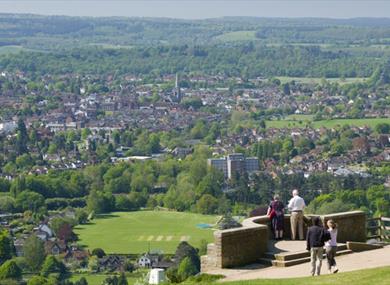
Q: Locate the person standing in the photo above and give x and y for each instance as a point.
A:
(276, 214)
(331, 246)
(316, 235)
(296, 206)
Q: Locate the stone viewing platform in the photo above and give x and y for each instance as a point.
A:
(253, 244)
(250, 252)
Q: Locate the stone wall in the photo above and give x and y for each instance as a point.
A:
(245, 245)
(351, 226)
(239, 246)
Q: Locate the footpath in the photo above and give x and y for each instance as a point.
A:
(355, 261)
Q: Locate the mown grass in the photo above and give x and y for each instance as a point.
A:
(136, 232)
(98, 278)
(301, 121)
(377, 276)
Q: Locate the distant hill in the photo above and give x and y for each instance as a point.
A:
(58, 32)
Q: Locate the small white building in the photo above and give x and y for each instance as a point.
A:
(156, 276)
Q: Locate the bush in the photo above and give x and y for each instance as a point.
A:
(184, 249)
(227, 222)
(203, 247)
(37, 280)
(53, 266)
(98, 252)
(205, 278)
(172, 275)
(187, 268)
(10, 270)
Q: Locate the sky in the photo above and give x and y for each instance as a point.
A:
(200, 9)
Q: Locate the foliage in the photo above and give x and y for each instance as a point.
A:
(10, 270)
(186, 268)
(228, 222)
(53, 266)
(6, 248)
(98, 252)
(34, 252)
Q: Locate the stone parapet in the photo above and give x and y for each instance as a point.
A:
(246, 245)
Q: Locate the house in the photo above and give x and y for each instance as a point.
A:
(43, 232)
(74, 253)
(145, 261)
(55, 247)
(148, 260)
(110, 263)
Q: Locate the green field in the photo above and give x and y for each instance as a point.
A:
(97, 279)
(10, 49)
(237, 36)
(134, 232)
(310, 80)
(301, 120)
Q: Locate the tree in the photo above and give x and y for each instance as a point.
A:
(98, 252)
(186, 269)
(7, 204)
(21, 138)
(52, 265)
(382, 128)
(207, 204)
(10, 270)
(286, 89)
(62, 229)
(34, 252)
(82, 281)
(5, 246)
(37, 280)
(184, 249)
(100, 202)
(122, 279)
(28, 200)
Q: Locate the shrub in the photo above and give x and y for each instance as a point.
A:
(98, 252)
(10, 270)
(53, 266)
(187, 268)
(227, 222)
(37, 280)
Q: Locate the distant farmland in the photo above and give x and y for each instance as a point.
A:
(135, 232)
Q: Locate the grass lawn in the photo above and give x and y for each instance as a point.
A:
(377, 276)
(237, 36)
(97, 278)
(134, 232)
(10, 49)
(300, 121)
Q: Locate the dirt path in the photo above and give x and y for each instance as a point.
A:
(350, 262)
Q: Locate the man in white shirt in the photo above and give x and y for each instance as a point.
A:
(296, 206)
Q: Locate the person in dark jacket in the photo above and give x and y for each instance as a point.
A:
(316, 237)
(276, 214)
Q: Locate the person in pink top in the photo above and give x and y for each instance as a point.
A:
(331, 246)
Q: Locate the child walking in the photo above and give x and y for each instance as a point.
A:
(331, 246)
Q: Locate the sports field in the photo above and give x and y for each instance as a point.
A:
(135, 232)
(301, 121)
(237, 36)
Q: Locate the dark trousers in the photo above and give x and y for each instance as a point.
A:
(330, 255)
